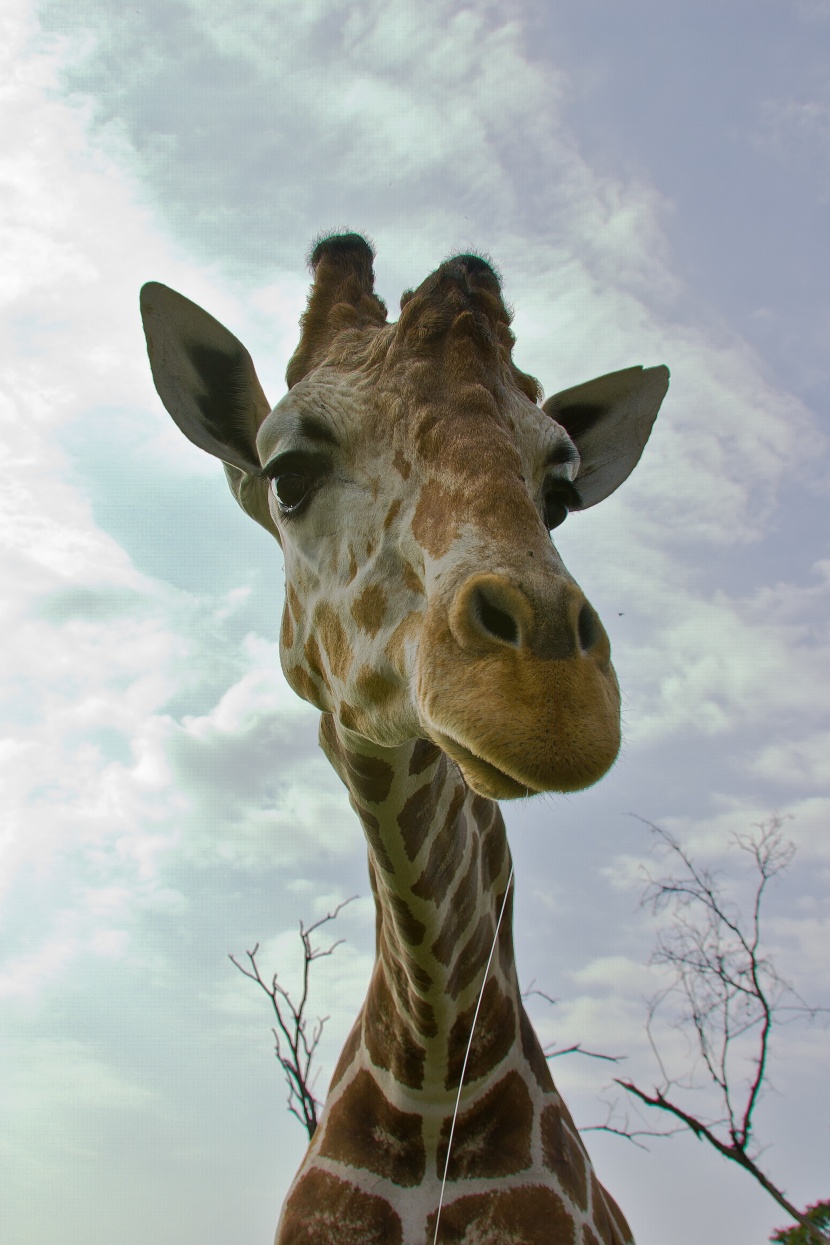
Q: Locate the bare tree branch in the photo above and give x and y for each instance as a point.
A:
(623, 1127)
(733, 1151)
(551, 1051)
(726, 990)
(578, 1049)
(295, 1043)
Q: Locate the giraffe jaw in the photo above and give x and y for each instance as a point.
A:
(484, 778)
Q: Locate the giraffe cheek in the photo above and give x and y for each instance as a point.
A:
(307, 687)
(305, 672)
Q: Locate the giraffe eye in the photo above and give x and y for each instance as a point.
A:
(559, 500)
(556, 508)
(290, 488)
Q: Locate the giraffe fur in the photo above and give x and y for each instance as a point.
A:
(412, 475)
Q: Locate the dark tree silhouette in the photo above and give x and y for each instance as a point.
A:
(726, 990)
(295, 1043)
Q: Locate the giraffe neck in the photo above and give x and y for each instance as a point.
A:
(439, 865)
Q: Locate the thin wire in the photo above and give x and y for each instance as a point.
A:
(467, 1053)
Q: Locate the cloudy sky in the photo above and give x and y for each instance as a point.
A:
(653, 181)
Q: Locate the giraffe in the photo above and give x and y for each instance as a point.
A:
(412, 476)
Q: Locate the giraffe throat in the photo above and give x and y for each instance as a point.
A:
(400, 1133)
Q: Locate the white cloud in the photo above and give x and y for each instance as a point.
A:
(614, 972)
(805, 821)
(147, 734)
(797, 762)
(57, 1075)
(94, 650)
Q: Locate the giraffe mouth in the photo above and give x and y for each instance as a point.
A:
(484, 777)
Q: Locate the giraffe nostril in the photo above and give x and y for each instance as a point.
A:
(496, 622)
(490, 613)
(587, 628)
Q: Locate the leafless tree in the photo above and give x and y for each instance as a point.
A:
(726, 991)
(295, 1043)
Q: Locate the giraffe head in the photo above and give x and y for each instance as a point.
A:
(412, 478)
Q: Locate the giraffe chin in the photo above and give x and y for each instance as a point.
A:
(496, 784)
(485, 779)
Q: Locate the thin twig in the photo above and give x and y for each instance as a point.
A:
(550, 1051)
(727, 989)
(295, 1043)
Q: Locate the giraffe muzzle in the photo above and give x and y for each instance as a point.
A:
(520, 689)
(490, 612)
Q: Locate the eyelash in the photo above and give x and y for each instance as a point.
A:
(563, 493)
(294, 466)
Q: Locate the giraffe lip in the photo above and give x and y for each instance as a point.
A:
(484, 777)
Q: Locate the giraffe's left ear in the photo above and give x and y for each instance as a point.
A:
(206, 379)
(609, 420)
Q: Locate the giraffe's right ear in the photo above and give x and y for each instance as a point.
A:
(206, 379)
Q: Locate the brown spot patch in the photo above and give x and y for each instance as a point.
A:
(411, 930)
(401, 464)
(314, 661)
(369, 777)
(364, 1130)
(412, 580)
(324, 1208)
(564, 1156)
(391, 514)
(287, 628)
(435, 522)
(588, 1237)
(396, 644)
(347, 1054)
(461, 911)
(349, 716)
(389, 1041)
(352, 564)
(532, 1215)
(618, 1218)
(446, 853)
(334, 640)
(303, 684)
(371, 828)
(493, 1137)
(609, 1233)
(293, 601)
(419, 1010)
(493, 844)
(507, 955)
(533, 1052)
(483, 810)
(471, 958)
(330, 740)
(374, 687)
(493, 1037)
(416, 818)
(424, 754)
(369, 610)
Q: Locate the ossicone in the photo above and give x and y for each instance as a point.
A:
(342, 298)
